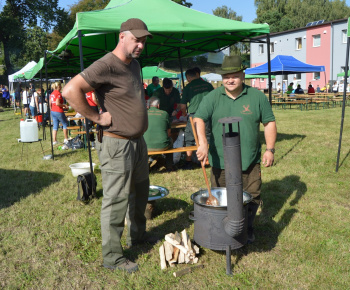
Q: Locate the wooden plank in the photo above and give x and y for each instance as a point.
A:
(168, 249)
(162, 257)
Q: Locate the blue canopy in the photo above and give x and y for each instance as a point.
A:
(284, 65)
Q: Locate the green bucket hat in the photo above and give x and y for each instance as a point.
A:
(231, 64)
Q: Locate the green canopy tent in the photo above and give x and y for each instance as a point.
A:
(343, 74)
(149, 72)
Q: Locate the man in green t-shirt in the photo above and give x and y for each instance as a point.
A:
(153, 86)
(157, 136)
(235, 99)
(192, 96)
(168, 97)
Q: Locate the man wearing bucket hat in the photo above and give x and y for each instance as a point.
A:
(235, 99)
(122, 150)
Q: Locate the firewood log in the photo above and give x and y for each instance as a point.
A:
(162, 257)
(168, 248)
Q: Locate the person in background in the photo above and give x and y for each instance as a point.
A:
(299, 90)
(169, 98)
(34, 104)
(278, 87)
(318, 89)
(192, 96)
(25, 102)
(5, 96)
(335, 87)
(93, 103)
(290, 89)
(158, 134)
(151, 88)
(122, 150)
(310, 89)
(57, 113)
(18, 96)
(235, 99)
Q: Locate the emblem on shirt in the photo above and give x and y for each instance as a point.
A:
(246, 110)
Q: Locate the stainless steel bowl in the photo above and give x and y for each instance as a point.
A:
(200, 197)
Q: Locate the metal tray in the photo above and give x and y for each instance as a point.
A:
(157, 192)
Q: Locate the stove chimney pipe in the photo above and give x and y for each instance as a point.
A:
(234, 222)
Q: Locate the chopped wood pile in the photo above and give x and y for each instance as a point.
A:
(177, 248)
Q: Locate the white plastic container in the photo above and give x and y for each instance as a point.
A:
(81, 167)
(29, 130)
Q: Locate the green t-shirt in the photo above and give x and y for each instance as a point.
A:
(151, 88)
(194, 92)
(156, 136)
(167, 102)
(252, 106)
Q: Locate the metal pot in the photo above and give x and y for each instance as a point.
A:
(209, 229)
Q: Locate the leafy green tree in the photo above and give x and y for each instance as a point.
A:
(183, 3)
(283, 15)
(16, 17)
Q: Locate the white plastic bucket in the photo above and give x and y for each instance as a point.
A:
(45, 108)
(29, 130)
(81, 167)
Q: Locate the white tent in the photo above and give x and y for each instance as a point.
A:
(27, 67)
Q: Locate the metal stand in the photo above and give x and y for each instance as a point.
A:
(228, 260)
(42, 149)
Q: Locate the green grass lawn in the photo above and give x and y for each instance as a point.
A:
(50, 240)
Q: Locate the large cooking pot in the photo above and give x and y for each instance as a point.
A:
(209, 229)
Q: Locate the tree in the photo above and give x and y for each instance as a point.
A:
(183, 3)
(17, 17)
(284, 15)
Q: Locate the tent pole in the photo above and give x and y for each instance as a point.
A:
(48, 107)
(182, 72)
(344, 100)
(87, 129)
(269, 67)
(42, 104)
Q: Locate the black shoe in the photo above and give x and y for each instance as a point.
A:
(128, 266)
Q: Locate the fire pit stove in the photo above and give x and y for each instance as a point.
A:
(224, 227)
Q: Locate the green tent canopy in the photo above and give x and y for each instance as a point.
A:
(149, 72)
(178, 32)
(259, 77)
(342, 74)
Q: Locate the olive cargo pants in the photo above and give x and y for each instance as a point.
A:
(125, 181)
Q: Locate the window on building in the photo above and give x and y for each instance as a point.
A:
(316, 40)
(316, 75)
(262, 80)
(297, 76)
(344, 35)
(272, 47)
(298, 43)
(261, 48)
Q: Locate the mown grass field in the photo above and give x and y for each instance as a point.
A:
(48, 240)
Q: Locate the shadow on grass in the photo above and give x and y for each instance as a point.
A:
(171, 225)
(345, 157)
(279, 197)
(282, 137)
(18, 184)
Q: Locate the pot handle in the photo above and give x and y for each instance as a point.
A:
(191, 216)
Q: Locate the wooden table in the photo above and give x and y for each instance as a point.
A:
(70, 114)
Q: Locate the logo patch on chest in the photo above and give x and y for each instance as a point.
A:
(246, 110)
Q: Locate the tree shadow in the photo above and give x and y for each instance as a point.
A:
(18, 184)
(345, 157)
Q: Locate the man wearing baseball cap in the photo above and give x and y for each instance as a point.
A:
(121, 148)
(235, 99)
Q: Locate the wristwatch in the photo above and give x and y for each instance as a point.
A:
(271, 150)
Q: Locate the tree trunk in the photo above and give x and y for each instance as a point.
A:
(9, 69)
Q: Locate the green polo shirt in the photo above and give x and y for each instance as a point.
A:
(156, 136)
(151, 88)
(167, 102)
(252, 106)
(194, 92)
